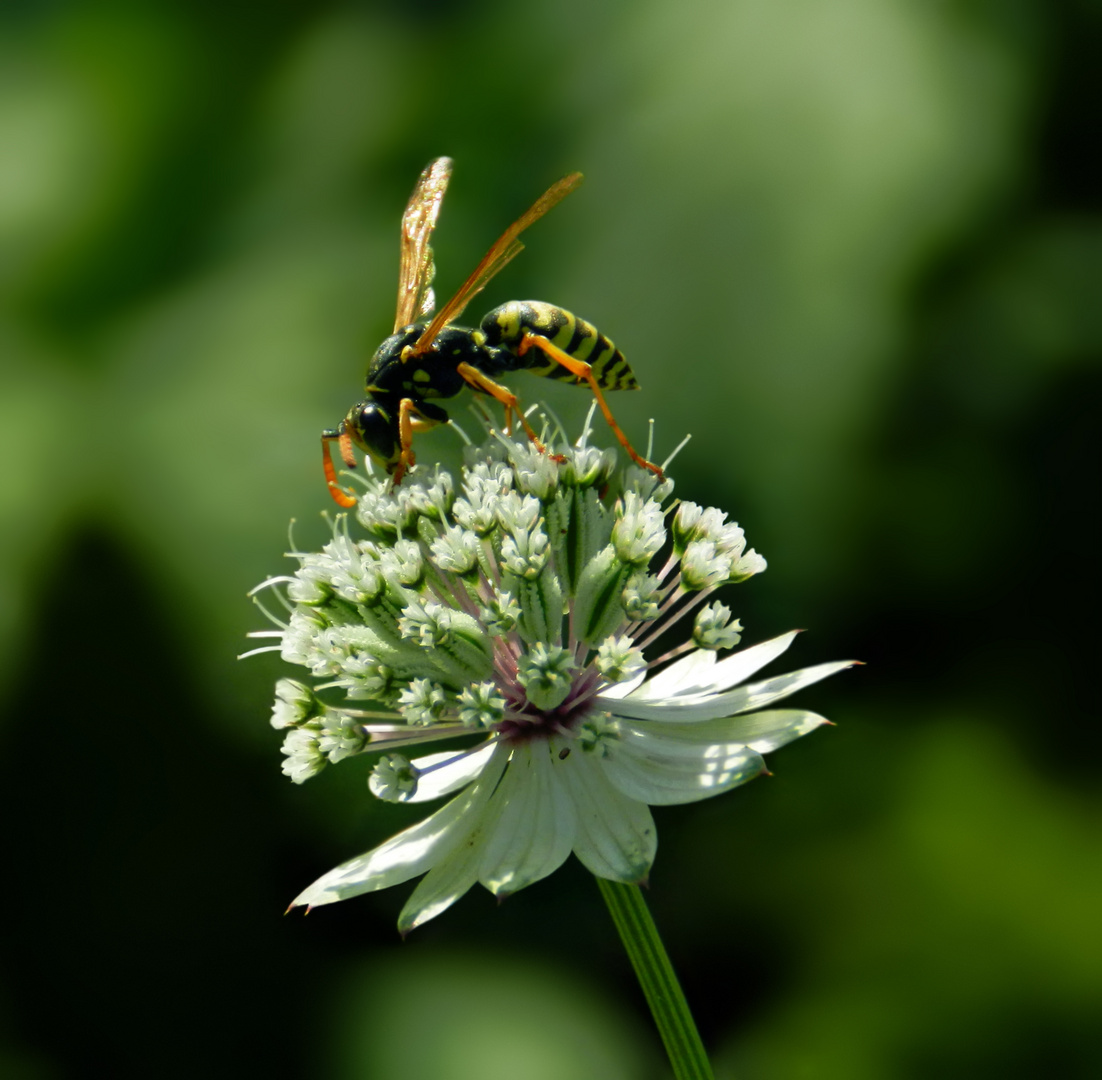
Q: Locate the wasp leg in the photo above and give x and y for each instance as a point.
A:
(406, 459)
(584, 371)
(340, 497)
(410, 419)
(483, 382)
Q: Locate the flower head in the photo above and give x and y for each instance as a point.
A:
(516, 610)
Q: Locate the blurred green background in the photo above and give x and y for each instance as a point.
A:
(851, 245)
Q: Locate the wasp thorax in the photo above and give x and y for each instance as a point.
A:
(399, 346)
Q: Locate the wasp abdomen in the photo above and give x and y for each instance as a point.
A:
(506, 327)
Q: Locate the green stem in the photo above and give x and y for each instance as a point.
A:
(656, 977)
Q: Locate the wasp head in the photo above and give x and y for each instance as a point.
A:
(375, 431)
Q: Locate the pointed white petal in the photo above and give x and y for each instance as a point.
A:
(760, 731)
(699, 673)
(663, 769)
(411, 852)
(616, 837)
(533, 831)
(442, 885)
(739, 666)
(713, 706)
(450, 770)
(457, 870)
(681, 674)
(622, 689)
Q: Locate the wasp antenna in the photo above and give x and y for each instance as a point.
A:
(348, 454)
(340, 496)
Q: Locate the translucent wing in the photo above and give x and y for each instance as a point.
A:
(416, 270)
(495, 260)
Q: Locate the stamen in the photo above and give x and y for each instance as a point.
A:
(257, 652)
(269, 616)
(676, 450)
(587, 428)
(461, 433)
(560, 430)
(267, 583)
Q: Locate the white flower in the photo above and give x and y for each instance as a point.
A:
(517, 612)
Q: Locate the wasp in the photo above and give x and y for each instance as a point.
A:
(428, 358)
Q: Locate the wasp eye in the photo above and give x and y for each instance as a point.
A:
(374, 429)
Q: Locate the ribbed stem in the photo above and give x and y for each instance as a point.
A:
(656, 976)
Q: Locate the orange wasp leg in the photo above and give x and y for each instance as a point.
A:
(409, 421)
(483, 382)
(340, 497)
(584, 371)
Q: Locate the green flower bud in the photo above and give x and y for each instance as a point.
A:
(481, 705)
(394, 778)
(702, 566)
(422, 702)
(304, 757)
(545, 673)
(295, 704)
(713, 628)
(639, 531)
(341, 737)
(617, 659)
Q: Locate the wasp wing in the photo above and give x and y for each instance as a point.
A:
(416, 268)
(504, 251)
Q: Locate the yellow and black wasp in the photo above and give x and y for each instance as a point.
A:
(422, 362)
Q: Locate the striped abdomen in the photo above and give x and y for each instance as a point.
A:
(507, 325)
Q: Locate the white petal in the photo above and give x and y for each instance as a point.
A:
(700, 673)
(665, 769)
(453, 769)
(739, 666)
(411, 852)
(442, 885)
(760, 731)
(774, 728)
(457, 869)
(621, 689)
(533, 829)
(682, 673)
(616, 837)
(712, 706)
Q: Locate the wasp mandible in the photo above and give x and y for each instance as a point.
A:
(425, 361)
